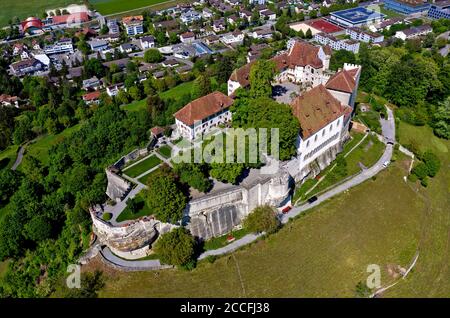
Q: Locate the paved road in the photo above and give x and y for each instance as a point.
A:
(153, 264)
(19, 158)
(247, 239)
(388, 128)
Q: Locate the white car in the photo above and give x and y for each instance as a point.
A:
(386, 163)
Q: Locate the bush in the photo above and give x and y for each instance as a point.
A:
(432, 163)
(262, 219)
(176, 248)
(412, 177)
(421, 171)
(107, 216)
(424, 182)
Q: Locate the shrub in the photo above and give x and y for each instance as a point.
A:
(421, 170)
(412, 177)
(424, 182)
(262, 219)
(362, 290)
(176, 248)
(432, 163)
(107, 216)
(211, 258)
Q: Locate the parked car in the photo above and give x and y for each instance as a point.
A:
(312, 199)
(386, 163)
(286, 209)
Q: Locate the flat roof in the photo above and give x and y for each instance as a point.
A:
(357, 15)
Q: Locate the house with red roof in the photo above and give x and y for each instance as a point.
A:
(203, 114)
(344, 84)
(92, 98)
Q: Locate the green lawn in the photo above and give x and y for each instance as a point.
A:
(145, 178)
(127, 214)
(178, 91)
(367, 153)
(115, 6)
(175, 93)
(41, 146)
(23, 9)
(389, 13)
(165, 151)
(221, 241)
(145, 165)
(8, 156)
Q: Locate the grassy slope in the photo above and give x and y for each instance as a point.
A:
(9, 154)
(430, 276)
(325, 253)
(41, 146)
(23, 9)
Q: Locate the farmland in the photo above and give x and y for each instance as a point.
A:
(115, 6)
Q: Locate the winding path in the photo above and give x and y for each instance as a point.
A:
(19, 158)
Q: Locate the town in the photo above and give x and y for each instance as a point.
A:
(97, 108)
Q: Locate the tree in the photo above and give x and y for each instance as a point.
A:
(123, 97)
(38, 228)
(441, 120)
(135, 93)
(432, 163)
(261, 75)
(421, 170)
(308, 34)
(224, 69)
(176, 247)
(195, 175)
(164, 197)
(93, 67)
(338, 58)
(91, 283)
(9, 183)
(201, 87)
(262, 219)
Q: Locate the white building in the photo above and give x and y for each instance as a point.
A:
(98, 45)
(114, 89)
(232, 38)
(134, 24)
(147, 42)
(337, 44)
(187, 37)
(190, 16)
(62, 46)
(261, 34)
(361, 35)
(202, 114)
(414, 32)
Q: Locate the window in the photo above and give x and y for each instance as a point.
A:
(315, 138)
(307, 143)
(331, 127)
(323, 132)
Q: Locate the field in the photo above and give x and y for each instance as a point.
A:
(389, 13)
(143, 210)
(140, 168)
(115, 6)
(8, 156)
(174, 93)
(41, 146)
(326, 251)
(9, 9)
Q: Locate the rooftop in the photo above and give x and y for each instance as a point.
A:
(203, 107)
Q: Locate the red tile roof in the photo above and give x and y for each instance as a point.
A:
(91, 96)
(341, 81)
(316, 109)
(71, 18)
(301, 54)
(203, 107)
(157, 130)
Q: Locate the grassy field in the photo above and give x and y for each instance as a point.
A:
(175, 93)
(389, 13)
(165, 151)
(114, 6)
(9, 9)
(140, 168)
(145, 178)
(8, 156)
(143, 211)
(41, 146)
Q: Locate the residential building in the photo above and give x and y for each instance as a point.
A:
(337, 44)
(133, 24)
(413, 32)
(440, 10)
(8, 100)
(235, 37)
(113, 26)
(359, 34)
(114, 89)
(268, 15)
(245, 15)
(92, 97)
(407, 6)
(98, 45)
(28, 66)
(128, 48)
(343, 85)
(261, 34)
(190, 16)
(219, 25)
(92, 83)
(187, 37)
(67, 20)
(147, 42)
(202, 114)
(207, 13)
(62, 46)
